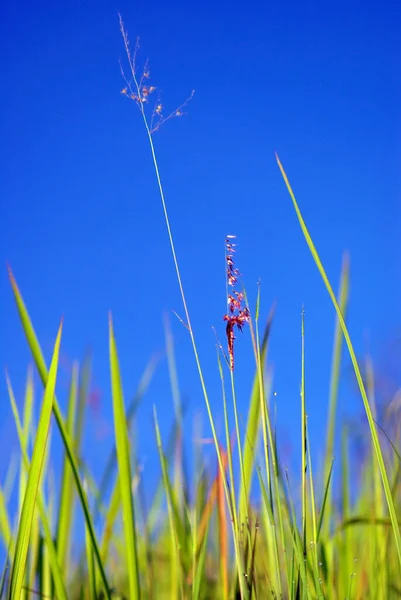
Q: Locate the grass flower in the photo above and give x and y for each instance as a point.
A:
(237, 315)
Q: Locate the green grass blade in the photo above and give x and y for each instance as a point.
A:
(325, 496)
(334, 386)
(34, 477)
(64, 525)
(5, 526)
(253, 423)
(124, 467)
(155, 506)
(174, 523)
(91, 566)
(83, 390)
(69, 447)
(3, 578)
(111, 516)
(200, 567)
(131, 411)
(42, 510)
(375, 439)
(28, 405)
(304, 448)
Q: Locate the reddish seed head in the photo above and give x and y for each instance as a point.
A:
(237, 316)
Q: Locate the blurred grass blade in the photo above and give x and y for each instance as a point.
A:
(124, 468)
(200, 567)
(253, 424)
(91, 564)
(334, 387)
(131, 411)
(375, 439)
(5, 526)
(3, 578)
(176, 536)
(43, 373)
(37, 541)
(304, 449)
(66, 509)
(34, 477)
(325, 495)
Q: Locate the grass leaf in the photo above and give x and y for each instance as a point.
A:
(124, 468)
(34, 477)
(375, 439)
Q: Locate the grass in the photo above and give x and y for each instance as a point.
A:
(204, 536)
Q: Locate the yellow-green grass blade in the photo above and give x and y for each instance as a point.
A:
(11, 475)
(65, 515)
(34, 477)
(176, 589)
(335, 373)
(111, 516)
(131, 411)
(156, 505)
(4, 577)
(346, 508)
(253, 424)
(229, 490)
(375, 439)
(5, 526)
(313, 543)
(269, 446)
(222, 522)
(28, 404)
(304, 448)
(40, 504)
(378, 555)
(324, 503)
(297, 541)
(68, 444)
(269, 510)
(231, 499)
(243, 518)
(28, 429)
(179, 488)
(90, 564)
(83, 390)
(23, 473)
(124, 468)
(46, 582)
(200, 566)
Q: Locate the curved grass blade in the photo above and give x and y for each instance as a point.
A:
(375, 439)
(124, 468)
(68, 444)
(42, 510)
(34, 477)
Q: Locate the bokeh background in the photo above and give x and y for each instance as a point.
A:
(81, 220)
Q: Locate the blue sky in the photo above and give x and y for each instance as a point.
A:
(82, 224)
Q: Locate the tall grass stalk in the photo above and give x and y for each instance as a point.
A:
(242, 583)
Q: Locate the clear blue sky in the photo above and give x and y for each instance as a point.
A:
(81, 221)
